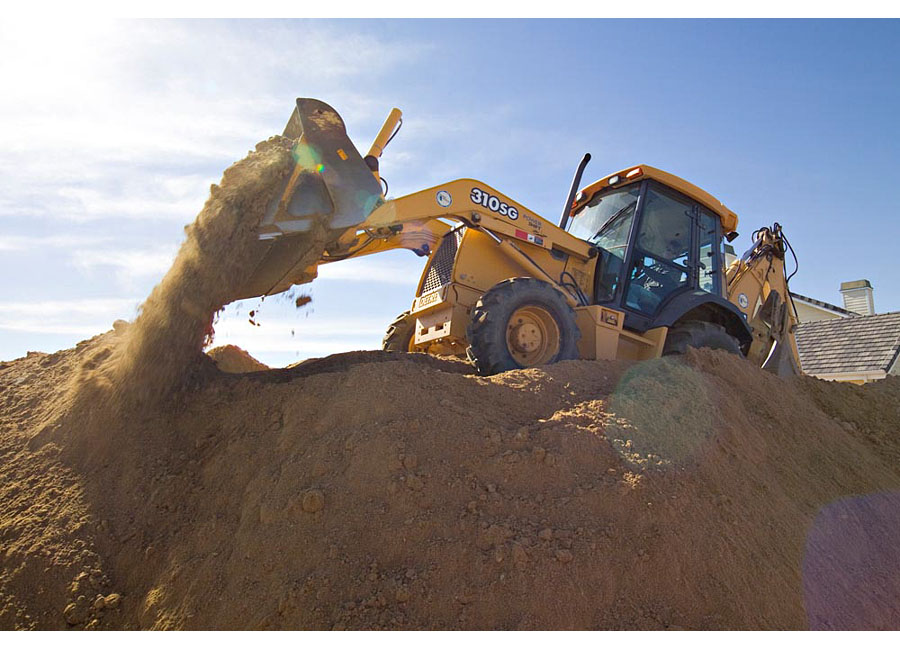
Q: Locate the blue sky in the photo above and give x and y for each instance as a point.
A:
(112, 132)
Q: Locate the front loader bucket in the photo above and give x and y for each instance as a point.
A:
(331, 188)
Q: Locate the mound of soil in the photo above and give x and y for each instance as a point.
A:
(142, 487)
(382, 490)
(232, 359)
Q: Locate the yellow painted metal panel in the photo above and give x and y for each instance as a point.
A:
(728, 218)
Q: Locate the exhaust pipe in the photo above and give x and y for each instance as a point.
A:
(576, 181)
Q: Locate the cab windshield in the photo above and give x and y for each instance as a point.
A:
(606, 220)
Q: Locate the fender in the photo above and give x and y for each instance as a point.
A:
(701, 305)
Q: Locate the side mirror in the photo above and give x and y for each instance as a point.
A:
(730, 237)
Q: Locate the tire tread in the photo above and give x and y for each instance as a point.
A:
(486, 333)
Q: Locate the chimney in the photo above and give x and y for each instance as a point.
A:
(858, 297)
(730, 255)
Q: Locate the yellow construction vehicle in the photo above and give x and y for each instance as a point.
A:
(634, 269)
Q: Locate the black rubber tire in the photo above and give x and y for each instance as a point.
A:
(699, 334)
(399, 334)
(486, 333)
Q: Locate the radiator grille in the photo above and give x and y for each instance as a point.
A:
(440, 268)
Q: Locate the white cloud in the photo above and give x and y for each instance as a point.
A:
(89, 204)
(127, 265)
(97, 105)
(86, 317)
(37, 242)
(384, 271)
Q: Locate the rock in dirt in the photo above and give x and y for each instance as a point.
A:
(77, 612)
(312, 501)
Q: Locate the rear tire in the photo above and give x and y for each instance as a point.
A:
(399, 334)
(699, 334)
(521, 323)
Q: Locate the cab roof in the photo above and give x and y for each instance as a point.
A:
(638, 173)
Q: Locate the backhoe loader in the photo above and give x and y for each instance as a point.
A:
(633, 269)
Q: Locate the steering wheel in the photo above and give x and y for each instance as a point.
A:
(652, 273)
(660, 277)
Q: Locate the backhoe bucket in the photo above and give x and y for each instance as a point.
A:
(781, 360)
(331, 188)
(773, 315)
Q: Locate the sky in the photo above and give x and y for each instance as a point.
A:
(111, 133)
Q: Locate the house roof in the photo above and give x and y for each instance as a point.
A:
(858, 344)
(823, 304)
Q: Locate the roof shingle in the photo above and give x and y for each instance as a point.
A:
(858, 344)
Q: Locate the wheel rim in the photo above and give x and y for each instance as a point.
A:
(532, 336)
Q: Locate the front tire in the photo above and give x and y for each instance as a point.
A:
(699, 334)
(399, 335)
(521, 323)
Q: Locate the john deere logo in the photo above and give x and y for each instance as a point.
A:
(444, 199)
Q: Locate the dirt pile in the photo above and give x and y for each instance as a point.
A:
(235, 360)
(378, 490)
(143, 484)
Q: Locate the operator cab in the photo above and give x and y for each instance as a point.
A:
(658, 237)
